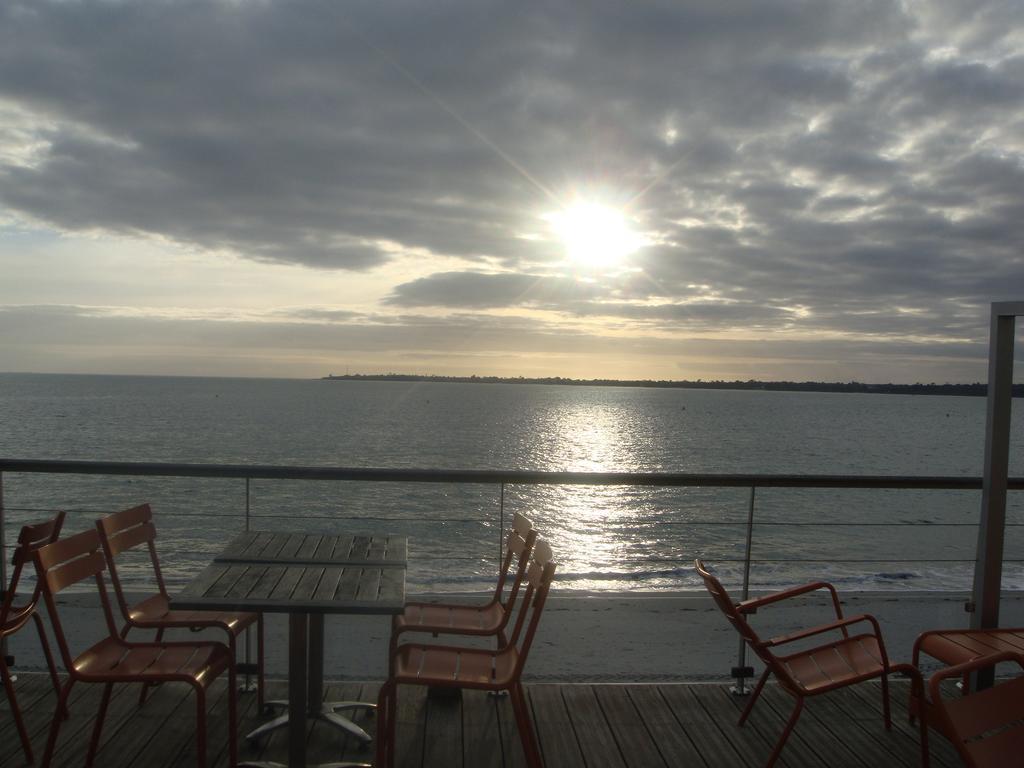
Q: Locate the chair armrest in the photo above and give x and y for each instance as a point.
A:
(751, 606)
(965, 668)
(840, 624)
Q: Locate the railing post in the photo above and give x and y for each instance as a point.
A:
(3, 559)
(501, 525)
(741, 671)
(247, 684)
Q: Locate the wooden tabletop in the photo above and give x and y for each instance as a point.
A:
(299, 588)
(294, 548)
(280, 572)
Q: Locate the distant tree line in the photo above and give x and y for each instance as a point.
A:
(970, 390)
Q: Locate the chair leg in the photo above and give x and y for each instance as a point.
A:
(753, 697)
(145, 686)
(525, 725)
(26, 743)
(46, 652)
(785, 733)
(62, 706)
(97, 730)
(923, 728)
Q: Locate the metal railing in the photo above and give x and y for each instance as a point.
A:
(501, 478)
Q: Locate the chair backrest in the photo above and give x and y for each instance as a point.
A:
(732, 613)
(31, 538)
(987, 726)
(126, 530)
(67, 562)
(518, 547)
(538, 582)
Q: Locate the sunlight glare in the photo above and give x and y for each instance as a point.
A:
(594, 235)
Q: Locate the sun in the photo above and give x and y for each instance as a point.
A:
(594, 235)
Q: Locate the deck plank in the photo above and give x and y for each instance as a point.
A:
(673, 742)
(578, 726)
(628, 728)
(511, 742)
(865, 736)
(558, 742)
(410, 725)
(443, 735)
(599, 747)
(942, 753)
(480, 731)
(810, 736)
(755, 740)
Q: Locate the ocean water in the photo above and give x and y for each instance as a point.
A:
(607, 538)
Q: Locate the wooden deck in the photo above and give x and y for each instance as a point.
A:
(596, 726)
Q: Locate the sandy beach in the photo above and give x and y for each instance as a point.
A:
(592, 637)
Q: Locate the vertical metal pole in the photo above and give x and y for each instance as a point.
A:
(740, 689)
(988, 567)
(501, 525)
(3, 559)
(247, 684)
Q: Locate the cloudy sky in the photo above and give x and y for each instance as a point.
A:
(772, 189)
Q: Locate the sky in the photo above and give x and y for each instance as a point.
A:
(689, 189)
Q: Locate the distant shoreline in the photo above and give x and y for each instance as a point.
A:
(960, 390)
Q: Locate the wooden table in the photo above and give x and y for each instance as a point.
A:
(306, 576)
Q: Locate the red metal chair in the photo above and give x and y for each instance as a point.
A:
(478, 668)
(122, 531)
(14, 617)
(485, 620)
(986, 727)
(114, 660)
(844, 660)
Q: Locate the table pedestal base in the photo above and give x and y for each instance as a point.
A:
(327, 712)
(305, 696)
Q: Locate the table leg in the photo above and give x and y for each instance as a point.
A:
(317, 707)
(298, 630)
(316, 662)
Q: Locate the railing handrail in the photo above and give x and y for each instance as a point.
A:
(491, 476)
(250, 472)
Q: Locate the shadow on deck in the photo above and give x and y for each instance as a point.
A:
(597, 726)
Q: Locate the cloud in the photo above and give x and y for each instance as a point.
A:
(38, 339)
(814, 167)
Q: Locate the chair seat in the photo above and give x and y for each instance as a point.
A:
(154, 613)
(454, 666)
(952, 647)
(111, 659)
(840, 663)
(447, 617)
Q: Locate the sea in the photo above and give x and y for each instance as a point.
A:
(606, 538)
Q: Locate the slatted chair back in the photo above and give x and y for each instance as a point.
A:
(728, 607)
(123, 531)
(31, 538)
(518, 548)
(14, 617)
(986, 727)
(539, 576)
(63, 564)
